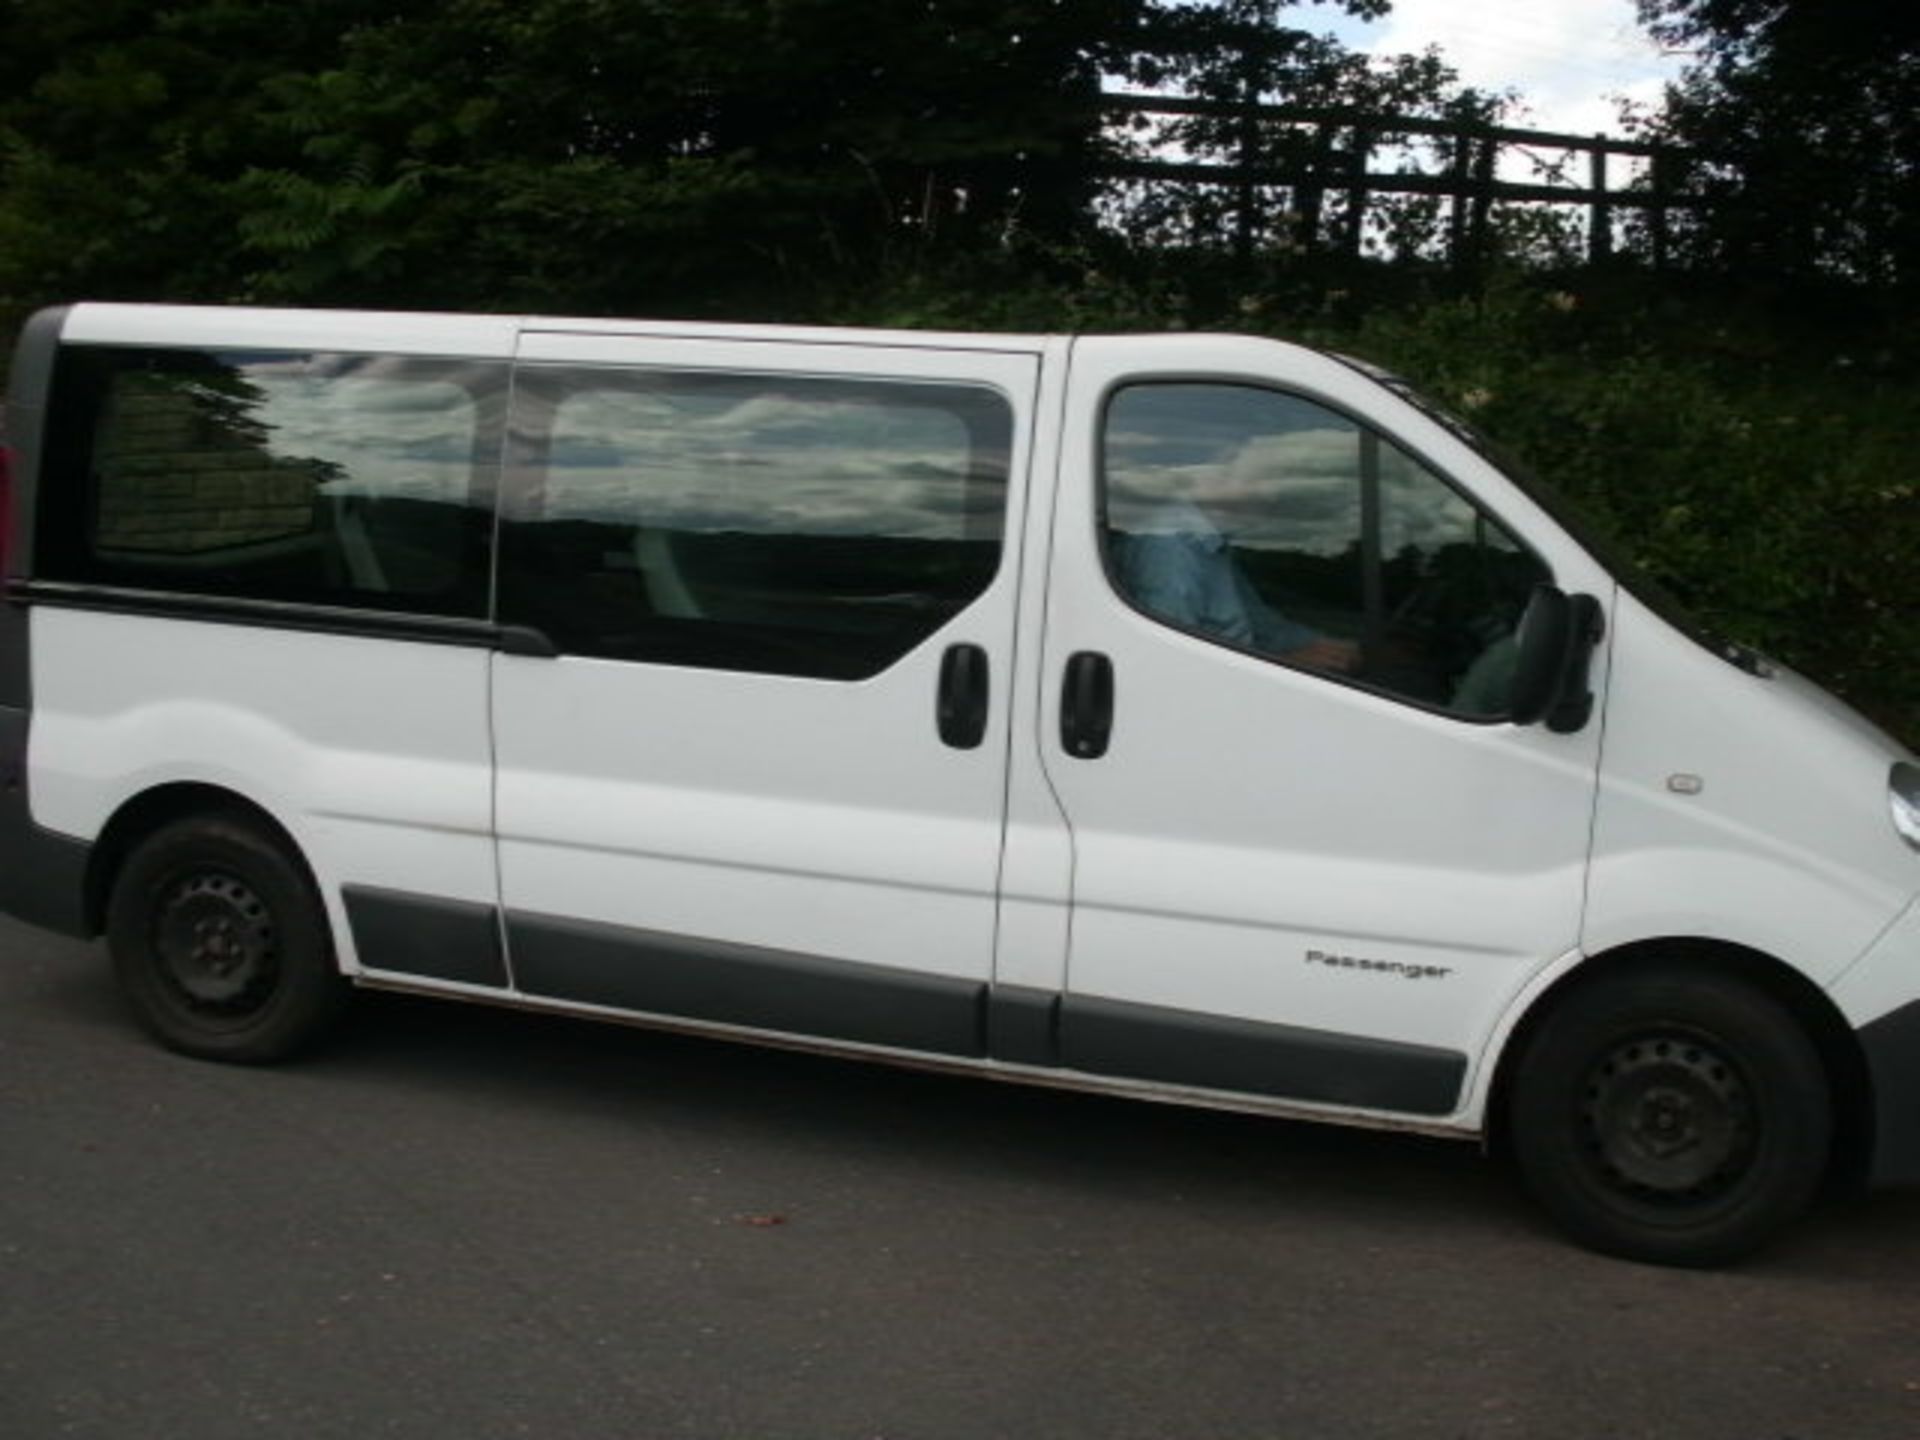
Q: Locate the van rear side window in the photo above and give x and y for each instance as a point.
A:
(790, 525)
(361, 481)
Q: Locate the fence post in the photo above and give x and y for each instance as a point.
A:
(1338, 157)
(1660, 180)
(1462, 166)
(1311, 194)
(1485, 157)
(1355, 232)
(1599, 212)
(1249, 148)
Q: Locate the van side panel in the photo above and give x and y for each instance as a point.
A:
(255, 556)
(373, 754)
(1734, 808)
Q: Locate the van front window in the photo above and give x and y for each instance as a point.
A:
(1271, 523)
(1591, 536)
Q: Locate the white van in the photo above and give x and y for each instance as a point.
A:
(1198, 718)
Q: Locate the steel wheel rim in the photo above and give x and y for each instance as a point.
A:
(1668, 1118)
(215, 941)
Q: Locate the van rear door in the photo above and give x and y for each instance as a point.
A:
(759, 781)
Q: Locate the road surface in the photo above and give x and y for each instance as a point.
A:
(463, 1223)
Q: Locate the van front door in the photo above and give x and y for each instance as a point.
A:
(1312, 860)
(759, 781)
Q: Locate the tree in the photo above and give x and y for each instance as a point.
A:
(1240, 53)
(121, 126)
(510, 152)
(680, 155)
(1808, 115)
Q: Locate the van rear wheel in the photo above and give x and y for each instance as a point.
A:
(220, 942)
(1675, 1116)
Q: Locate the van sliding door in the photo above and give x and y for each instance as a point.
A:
(759, 779)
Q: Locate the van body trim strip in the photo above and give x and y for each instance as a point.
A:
(748, 985)
(1218, 1052)
(423, 935)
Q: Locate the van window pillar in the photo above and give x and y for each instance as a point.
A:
(1372, 576)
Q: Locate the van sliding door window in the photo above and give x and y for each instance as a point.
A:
(1275, 525)
(339, 480)
(791, 525)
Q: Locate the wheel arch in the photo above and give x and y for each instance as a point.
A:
(1850, 1083)
(143, 814)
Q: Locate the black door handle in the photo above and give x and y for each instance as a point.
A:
(960, 709)
(1086, 705)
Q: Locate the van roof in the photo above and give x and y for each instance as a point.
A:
(426, 332)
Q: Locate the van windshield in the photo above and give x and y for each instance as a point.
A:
(1571, 518)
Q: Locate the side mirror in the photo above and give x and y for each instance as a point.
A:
(1553, 648)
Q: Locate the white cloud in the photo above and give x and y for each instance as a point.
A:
(388, 437)
(764, 462)
(1565, 58)
(1295, 490)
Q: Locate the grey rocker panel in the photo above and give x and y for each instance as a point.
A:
(760, 988)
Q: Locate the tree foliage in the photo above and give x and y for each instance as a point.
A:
(1757, 469)
(577, 153)
(1808, 112)
(121, 128)
(514, 151)
(1239, 52)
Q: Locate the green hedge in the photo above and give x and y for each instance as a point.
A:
(1769, 482)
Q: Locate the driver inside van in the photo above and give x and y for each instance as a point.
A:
(1180, 568)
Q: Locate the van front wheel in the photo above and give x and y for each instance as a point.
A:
(220, 942)
(1676, 1116)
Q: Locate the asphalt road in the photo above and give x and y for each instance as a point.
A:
(461, 1223)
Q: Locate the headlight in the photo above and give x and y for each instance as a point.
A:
(1903, 795)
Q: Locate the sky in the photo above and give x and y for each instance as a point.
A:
(1565, 57)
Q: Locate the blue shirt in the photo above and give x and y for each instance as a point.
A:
(1188, 578)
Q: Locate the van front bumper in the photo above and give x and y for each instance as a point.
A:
(1892, 1048)
(43, 876)
(1880, 996)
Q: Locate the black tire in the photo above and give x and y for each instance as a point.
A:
(1678, 1116)
(220, 942)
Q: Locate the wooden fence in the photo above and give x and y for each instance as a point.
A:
(1333, 150)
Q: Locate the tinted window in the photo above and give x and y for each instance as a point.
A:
(363, 481)
(1281, 527)
(795, 525)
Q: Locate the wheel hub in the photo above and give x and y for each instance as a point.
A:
(1668, 1117)
(215, 940)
